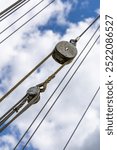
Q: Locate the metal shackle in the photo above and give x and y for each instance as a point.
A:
(64, 52)
(33, 92)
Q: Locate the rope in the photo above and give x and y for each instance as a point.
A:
(59, 95)
(12, 89)
(24, 78)
(27, 21)
(81, 119)
(35, 67)
(7, 12)
(8, 114)
(21, 103)
(54, 74)
(17, 115)
(56, 89)
(21, 16)
(11, 108)
(11, 6)
(87, 28)
(13, 11)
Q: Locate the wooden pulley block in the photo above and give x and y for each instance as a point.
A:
(64, 52)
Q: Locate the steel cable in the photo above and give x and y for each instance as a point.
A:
(31, 73)
(81, 119)
(21, 16)
(59, 95)
(4, 14)
(18, 2)
(24, 78)
(56, 88)
(88, 27)
(27, 21)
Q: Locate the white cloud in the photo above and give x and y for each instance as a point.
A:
(85, 4)
(4, 4)
(23, 51)
(9, 142)
(98, 11)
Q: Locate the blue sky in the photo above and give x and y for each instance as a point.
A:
(80, 11)
(5, 74)
(84, 9)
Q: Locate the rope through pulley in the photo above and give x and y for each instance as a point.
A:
(40, 123)
(64, 52)
(56, 88)
(57, 49)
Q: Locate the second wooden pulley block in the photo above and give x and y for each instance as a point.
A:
(33, 92)
(64, 52)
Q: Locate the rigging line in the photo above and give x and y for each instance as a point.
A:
(7, 15)
(11, 6)
(17, 115)
(12, 89)
(59, 95)
(21, 16)
(9, 9)
(24, 78)
(87, 28)
(12, 108)
(27, 21)
(55, 89)
(16, 108)
(81, 118)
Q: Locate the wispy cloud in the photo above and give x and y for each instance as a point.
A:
(84, 4)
